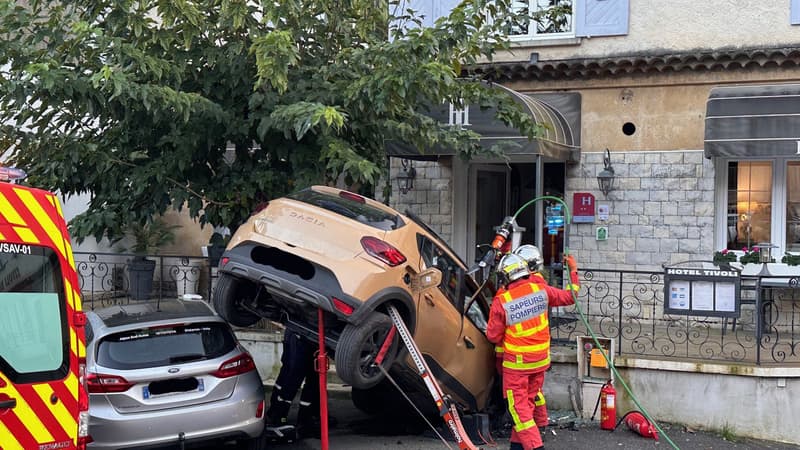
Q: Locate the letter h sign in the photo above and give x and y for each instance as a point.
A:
(459, 117)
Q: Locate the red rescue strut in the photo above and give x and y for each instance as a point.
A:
(322, 368)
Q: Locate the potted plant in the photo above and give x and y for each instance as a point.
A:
(791, 259)
(146, 239)
(724, 257)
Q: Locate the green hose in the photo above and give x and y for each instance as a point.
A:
(586, 322)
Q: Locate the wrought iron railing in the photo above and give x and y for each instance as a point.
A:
(107, 278)
(627, 306)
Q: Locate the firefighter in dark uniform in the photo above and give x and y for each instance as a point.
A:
(297, 369)
(518, 319)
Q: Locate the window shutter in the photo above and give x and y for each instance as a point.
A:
(795, 12)
(431, 9)
(602, 17)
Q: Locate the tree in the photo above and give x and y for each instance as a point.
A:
(219, 105)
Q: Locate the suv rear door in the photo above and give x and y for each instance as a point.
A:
(41, 337)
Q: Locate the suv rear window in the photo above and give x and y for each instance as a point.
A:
(351, 208)
(165, 345)
(33, 327)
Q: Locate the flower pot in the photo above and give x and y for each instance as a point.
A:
(187, 276)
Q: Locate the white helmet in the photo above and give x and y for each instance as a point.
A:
(512, 267)
(532, 255)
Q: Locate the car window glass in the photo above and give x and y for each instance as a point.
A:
(33, 326)
(159, 346)
(350, 208)
(434, 256)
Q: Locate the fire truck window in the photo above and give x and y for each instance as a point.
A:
(33, 334)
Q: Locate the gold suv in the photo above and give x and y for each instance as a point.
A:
(351, 256)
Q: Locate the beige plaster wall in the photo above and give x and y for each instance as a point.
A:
(668, 110)
(657, 26)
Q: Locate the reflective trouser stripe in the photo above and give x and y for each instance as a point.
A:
(539, 399)
(518, 426)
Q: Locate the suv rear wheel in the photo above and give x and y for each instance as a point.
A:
(228, 297)
(358, 347)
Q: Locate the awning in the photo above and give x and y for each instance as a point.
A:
(753, 121)
(558, 112)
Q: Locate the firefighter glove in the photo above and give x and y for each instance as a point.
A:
(569, 260)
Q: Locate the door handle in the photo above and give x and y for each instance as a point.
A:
(10, 403)
(429, 299)
(469, 342)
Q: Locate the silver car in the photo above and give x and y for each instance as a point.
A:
(169, 374)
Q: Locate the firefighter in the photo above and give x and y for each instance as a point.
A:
(518, 319)
(297, 369)
(531, 254)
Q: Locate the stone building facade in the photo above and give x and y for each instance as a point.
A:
(645, 82)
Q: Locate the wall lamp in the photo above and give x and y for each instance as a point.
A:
(605, 179)
(405, 178)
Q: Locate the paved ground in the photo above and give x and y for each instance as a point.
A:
(357, 431)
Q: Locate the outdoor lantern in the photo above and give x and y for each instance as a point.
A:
(605, 179)
(765, 252)
(405, 178)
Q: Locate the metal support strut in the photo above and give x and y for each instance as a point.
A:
(447, 410)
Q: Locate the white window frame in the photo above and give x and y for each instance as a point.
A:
(778, 225)
(532, 4)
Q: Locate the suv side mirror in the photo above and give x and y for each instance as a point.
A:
(425, 280)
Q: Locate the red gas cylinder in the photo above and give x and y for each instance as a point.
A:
(608, 407)
(638, 423)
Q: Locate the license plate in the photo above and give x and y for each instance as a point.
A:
(200, 388)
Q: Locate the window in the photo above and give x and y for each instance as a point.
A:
(477, 309)
(542, 18)
(793, 206)
(164, 345)
(34, 336)
(760, 202)
(749, 203)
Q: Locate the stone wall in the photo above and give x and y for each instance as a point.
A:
(661, 211)
(432, 196)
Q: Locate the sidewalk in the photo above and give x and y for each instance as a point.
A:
(357, 431)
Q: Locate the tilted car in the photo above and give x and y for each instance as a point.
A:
(169, 373)
(351, 256)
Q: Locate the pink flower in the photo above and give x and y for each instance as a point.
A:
(724, 251)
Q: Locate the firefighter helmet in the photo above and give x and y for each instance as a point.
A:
(512, 267)
(532, 255)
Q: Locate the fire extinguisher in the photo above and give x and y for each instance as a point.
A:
(608, 407)
(637, 422)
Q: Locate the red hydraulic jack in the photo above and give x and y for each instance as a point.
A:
(322, 367)
(447, 410)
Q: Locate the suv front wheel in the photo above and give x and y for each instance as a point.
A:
(358, 347)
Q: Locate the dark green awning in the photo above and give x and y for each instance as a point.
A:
(746, 121)
(560, 141)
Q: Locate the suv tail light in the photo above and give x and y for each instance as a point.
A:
(106, 384)
(382, 250)
(235, 366)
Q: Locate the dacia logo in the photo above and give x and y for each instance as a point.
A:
(307, 219)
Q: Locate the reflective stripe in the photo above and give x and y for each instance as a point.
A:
(526, 366)
(535, 348)
(573, 287)
(533, 330)
(518, 425)
(499, 349)
(539, 399)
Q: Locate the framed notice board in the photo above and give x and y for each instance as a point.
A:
(702, 292)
